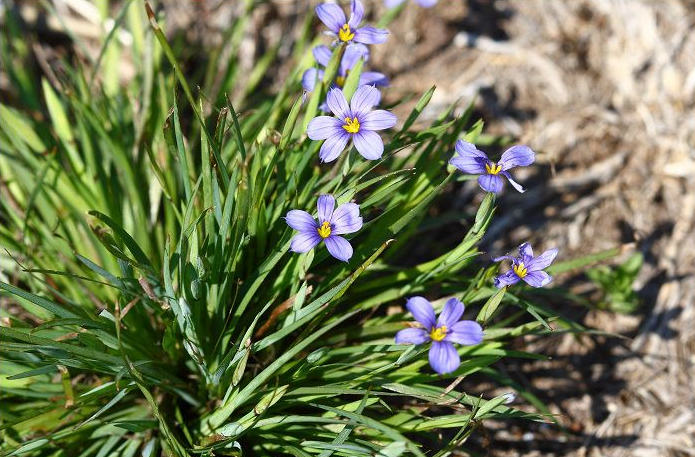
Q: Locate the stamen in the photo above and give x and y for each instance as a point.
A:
(520, 270)
(324, 230)
(352, 125)
(492, 168)
(345, 34)
(340, 80)
(438, 334)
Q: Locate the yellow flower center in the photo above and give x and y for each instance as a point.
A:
(352, 125)
(324, 230)
(345, 34)
(492, 169)
(520, 270)
(438, 334)
(340, 80)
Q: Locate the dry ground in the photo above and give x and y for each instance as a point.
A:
(605, 91)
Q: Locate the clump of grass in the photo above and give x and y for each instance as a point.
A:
(152, 306)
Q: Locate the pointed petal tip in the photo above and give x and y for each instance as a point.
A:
(422, 311)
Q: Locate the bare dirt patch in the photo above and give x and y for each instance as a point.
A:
(605, 91)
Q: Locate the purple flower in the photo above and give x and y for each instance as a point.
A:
(471, 160)
(442, 332)
(345, 219)
(527, 267)
(357, 122)
(422, 3)
(352, 54)
(347, 31)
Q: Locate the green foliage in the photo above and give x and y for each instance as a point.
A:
(616, 284)
(151, 306)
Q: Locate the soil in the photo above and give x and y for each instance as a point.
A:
(605, 93)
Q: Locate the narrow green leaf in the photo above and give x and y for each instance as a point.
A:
(419, 107)
(353, 79)
(123, 236)
(48, 305)
(490, 306)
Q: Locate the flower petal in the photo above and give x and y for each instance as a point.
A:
(537, 278)
(333, 146)
(322, 127)
(363, 49)
(370, 35)
(412, 335)
(452, 312)
(443, 357)
(515, 185)
(525, 252)
(516, 156)
(465, 332)
(357, 12)
(346, 219)
(504, 257)
(490, 183)
(332, 15)
(373, 78)
(304, 241)
(339, 247)
(392, 3)
(337, 103)
(465, 148)
(542, 261)
(364, 98)
(469, 164)
(507, 279)
(310, 78)
(325, 205)
(353, 53)
(301, 220)
(422, 311)
(322, 54)
(426, 3)
(368, 144)
(378, 119)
